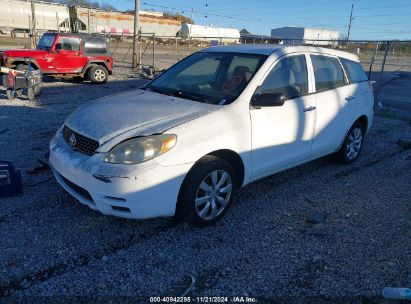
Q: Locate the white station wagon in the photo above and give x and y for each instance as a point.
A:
(215, 121)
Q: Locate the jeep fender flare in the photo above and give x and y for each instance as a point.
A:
(23, 60)
(90, 64)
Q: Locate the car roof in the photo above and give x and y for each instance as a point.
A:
(281, 49)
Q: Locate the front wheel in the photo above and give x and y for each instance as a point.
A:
(351, 147)
(206, 193)
(98, 74)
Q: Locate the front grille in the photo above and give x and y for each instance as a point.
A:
(83, 192)
(80, 142)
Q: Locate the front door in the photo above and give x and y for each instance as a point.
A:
(69, 57)
(282, 135)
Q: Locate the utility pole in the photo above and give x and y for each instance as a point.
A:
(57, 20)
(136, 23)
(192, 12)
(33, 24)
(349, 25)
(88, 20)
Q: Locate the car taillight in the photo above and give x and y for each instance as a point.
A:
(370, 84)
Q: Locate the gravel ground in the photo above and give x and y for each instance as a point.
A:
(319, 233)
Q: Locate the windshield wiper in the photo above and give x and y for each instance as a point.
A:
(160, 91)
(181, 94)
(175, 93)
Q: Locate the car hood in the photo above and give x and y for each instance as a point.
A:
(24, 53)
(134, 113)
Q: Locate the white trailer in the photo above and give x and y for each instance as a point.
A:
(309, 36)
(202, 32)
(15, 16)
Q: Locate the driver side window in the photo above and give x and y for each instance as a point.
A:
(289, 77)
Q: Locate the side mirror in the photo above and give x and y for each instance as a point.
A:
(58, 47)
(268, 100)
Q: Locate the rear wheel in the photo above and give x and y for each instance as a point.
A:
(350, 149)
(37, 90)
(21, 67)
(30, 94)
(10, 94)
(98, 74)
(19, 93)
(206, 193)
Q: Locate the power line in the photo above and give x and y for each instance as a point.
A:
(240, 18)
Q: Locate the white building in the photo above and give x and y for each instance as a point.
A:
(304, 35)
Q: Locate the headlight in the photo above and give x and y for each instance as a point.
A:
(141, 149)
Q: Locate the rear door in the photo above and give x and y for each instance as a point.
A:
(335, 104)
(282, 135)
(69, 57)
(358, 83)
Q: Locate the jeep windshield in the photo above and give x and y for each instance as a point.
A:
(46, 42)
(210, 77)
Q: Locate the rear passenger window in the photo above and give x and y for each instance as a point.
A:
(288, 77)
(328, 72)
(69, 43)
(354, 71)
(95, 45)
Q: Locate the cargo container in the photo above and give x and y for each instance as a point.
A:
(202, 32)
(91, 20)
(15, 17)
(308, 36)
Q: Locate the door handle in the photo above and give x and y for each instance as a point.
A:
(310, 108)
(349, 98)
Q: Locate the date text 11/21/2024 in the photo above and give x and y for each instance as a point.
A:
(204, 299)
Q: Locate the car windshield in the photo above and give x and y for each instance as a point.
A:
(46, 42)
(210, 77)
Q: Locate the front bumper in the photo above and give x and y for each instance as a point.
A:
(131, 191)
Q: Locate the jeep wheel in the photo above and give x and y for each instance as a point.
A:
(98, 74)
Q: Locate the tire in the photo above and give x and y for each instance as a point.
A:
(19, 93)
(202, 185)
(10, 94)
(98, 74)
(352, 145)
(37, 90)
(31, 95)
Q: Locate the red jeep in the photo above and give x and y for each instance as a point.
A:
(65, 55)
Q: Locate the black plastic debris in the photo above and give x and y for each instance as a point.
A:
(10, 180)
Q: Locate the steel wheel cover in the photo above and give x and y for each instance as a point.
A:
(354, 143)
(99, 75)
(213, 195)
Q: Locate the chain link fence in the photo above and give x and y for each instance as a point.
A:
(379, 58)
